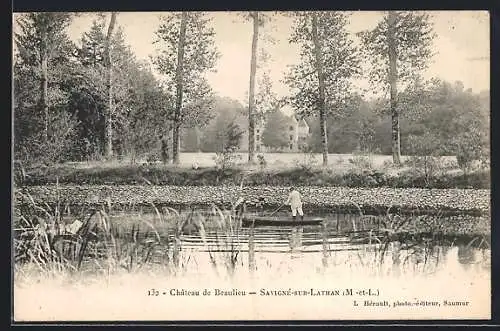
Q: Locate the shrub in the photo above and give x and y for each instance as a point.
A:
(424, 160)
(361, 162)
(61, 140)
(365, 178)
(153, 158)
(469, 147)
(425, 166)
(262, 161)
(387, 164)
(307, 162)
(228, 142)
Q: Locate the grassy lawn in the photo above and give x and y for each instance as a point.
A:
(275, 161)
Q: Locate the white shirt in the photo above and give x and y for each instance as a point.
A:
(294, 199)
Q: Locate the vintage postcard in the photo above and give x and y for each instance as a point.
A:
(189, 166)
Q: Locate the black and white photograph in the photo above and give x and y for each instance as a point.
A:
(251, 166)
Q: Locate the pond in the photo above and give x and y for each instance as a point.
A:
(257, 272)
(216, 239)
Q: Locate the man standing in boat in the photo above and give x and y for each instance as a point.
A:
(295, 202)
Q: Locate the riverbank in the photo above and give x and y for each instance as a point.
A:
(357, 175)
(317, 197)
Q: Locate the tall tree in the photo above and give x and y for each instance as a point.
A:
(41, 39)
(266, 100)
(251, 92)
(150, 106)
(321, 82)
(92, 95)
(318, 56)
(399, 48)
(187, 51)
(259, 20)
(181, 43)
(109, 110)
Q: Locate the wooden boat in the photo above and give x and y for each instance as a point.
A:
(279, 221)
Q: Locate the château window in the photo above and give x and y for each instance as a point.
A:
(291, 128)
(258, 137)
(291, 146)
(291, 137)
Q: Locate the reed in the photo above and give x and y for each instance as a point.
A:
(101, 244)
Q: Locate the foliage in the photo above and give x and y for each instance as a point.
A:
(399, 49)
(437, 117)
(262, 161)
(226, 111)
(43, 132)
(308, 161)
(91, 90)
(440, 114)
(276, 130)
(413, 37)
(41, 33)
(184, 76)
(451, 121)
(149, 109)
(339, 63)
(77, 94)
(58, 148)
(424, 153)
(355, 130)
(228, 142)
(321, 82)
(361, 162)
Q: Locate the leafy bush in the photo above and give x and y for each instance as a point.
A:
(425, 166)
(470, 146)
(262, 161)
(424, 160)
(153, 158)
(58, 148)
(228, 142)
(361, 162)
(308, 161)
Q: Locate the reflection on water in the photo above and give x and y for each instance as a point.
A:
(278, 251)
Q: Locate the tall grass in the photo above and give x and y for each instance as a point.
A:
(41, 238)
(105, 244)
(413, 240)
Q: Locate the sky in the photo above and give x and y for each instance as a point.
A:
(461, 46)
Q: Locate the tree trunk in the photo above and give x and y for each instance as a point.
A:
(198, 142)
(108, 133)
(393, 79)
(179, 86)
(321, 101)
(166, 140)
(164, 149)
(44, 96)
(251, 94)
